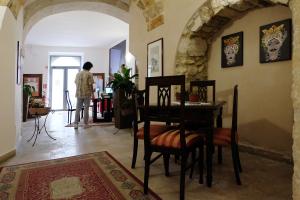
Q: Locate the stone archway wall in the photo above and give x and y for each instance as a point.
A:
(192, 52)
(153, 11)
(35, 10)
(13, 5)
(203, 26)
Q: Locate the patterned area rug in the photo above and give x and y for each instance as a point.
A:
(96, 176)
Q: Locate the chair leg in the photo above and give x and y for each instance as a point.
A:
(220, 156)
(235, 164)
(135, 147)
(166, 158)
(71, 116)
(201, 162)
(182, 176)
(147, 170)
(193, 163)
(238, 158)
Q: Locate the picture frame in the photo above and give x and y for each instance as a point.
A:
(34, 80)
(99, 82)
(18, 77)
(155, 58)
(232, 50)
(275, 41)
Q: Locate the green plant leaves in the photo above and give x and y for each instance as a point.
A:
(123, 80)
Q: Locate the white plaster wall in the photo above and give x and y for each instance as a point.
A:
(7, 80)
(18, 88)
(265, 104)
(177, 13)
(37, 58)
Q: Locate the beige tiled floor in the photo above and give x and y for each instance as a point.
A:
(262, 179)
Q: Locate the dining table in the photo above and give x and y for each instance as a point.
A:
(208, 112)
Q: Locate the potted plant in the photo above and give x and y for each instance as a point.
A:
(27, 93)
(123, 86)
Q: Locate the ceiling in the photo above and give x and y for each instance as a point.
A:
(78, 29)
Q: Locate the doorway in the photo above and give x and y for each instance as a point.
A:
(63, 70)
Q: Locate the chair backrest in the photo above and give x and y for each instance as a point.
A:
(69, 104)
(202, 88)
(234, 114)
(162, 111)
(138, 98)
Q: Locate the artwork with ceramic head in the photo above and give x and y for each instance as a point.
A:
(232, 50)
(275, 41)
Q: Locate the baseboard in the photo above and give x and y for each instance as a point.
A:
(7, 156)
(265, 153)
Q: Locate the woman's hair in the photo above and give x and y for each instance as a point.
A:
(87, 66)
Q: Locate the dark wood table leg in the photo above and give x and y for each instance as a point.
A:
(209, 151)
(219, 118)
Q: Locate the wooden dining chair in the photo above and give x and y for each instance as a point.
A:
(138, 98)
(202, 88)
(70, 108)
(229, 137)
(202, 91)
(172, 142)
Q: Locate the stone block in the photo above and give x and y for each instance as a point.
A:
(151, 12)
(206, 13)
(196, 24)
(156, 22)
(197, 47)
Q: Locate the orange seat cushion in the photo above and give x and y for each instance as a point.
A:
(155, 130)
(222, 136)
(171, 139)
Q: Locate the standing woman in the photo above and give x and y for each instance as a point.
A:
(84, 90)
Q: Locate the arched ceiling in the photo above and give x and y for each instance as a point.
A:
(78, 29)
(36, 10)
(153, 10)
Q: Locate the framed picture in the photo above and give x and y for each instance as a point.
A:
(275, 41)
(232, 50)
(155, 58)
(34, 80)
(18, 78)
(99, 80)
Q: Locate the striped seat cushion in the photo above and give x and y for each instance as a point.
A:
(155, 130)
(171, 139)
(222, 136)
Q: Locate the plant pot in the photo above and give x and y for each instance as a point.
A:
(122, 118)
(25, 107)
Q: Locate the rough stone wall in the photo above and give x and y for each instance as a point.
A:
(13, 5)
(152, 11)
(204, 25)
(191, 58)
(295, 8)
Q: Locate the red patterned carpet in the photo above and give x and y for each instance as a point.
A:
(91, 176)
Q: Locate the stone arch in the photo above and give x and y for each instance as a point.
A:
(37, 10)
(192, 52)
(203, 26)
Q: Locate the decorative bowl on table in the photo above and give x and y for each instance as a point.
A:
(193, 98)
(39, 111)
